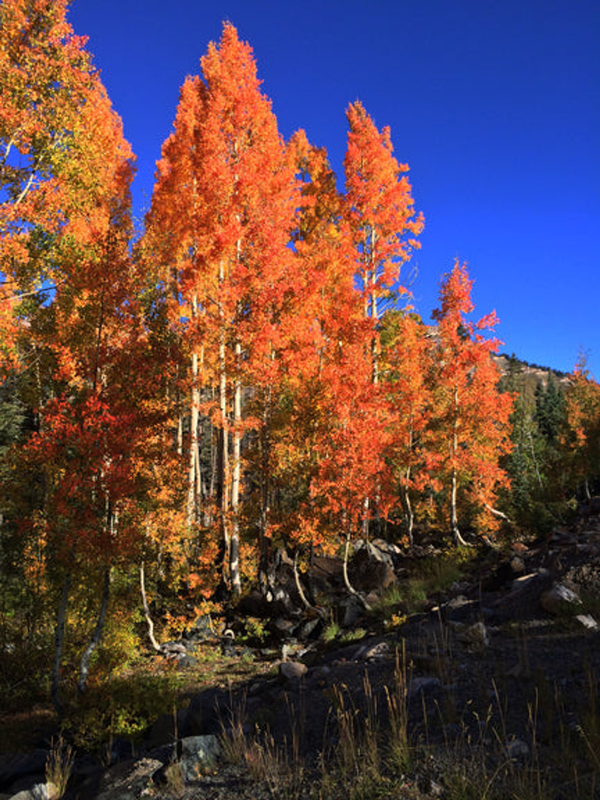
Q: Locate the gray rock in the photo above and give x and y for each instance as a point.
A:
(197, 753)
(373, 652)
(559, 599)
(460, 609)
(372, 570)
(353, 609)
(41, 791)
(186, 662)
(173, 649)
(201, 629)
(326, 572)
(475, 636)
(292, 671)
(521, 602)
(125, 783)
(588, 621)
(283, 627)
(517, 564)
(310, 629)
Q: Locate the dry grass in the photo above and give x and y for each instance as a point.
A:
(279, 767)
(59, 766)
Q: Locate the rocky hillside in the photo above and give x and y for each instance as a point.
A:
(493, 683)
(525, 377)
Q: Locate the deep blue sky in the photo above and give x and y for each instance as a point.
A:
(494, 104)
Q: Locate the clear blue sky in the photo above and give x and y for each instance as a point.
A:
(494, 104)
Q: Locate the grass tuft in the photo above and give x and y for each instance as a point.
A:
(59, 766)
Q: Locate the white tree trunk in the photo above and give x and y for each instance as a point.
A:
(84, 664)
(236, 477)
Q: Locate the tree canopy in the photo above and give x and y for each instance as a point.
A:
(249, 374)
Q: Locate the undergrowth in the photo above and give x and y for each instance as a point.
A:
(378, 744)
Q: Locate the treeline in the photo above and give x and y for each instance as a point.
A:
(249, 373)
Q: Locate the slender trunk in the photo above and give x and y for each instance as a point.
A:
(347, 583)
(198, 470)
(147, 616)
(458, 539)
(365, 519)
(234, 566)
(84, 664)
(453, 515)
(236, 474)
(299, 588)
(408, 512)
(410, 517)
(180, 435)
(214, 471)
(194, 457)
(263, 543)
(192, 500)
(535, 462)
(224, 474)
(370, 311)
(497, 513)
(58, 644)
(98, 343)
(374, 312)
(29, 183)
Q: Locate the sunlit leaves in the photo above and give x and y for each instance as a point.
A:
(470, 424)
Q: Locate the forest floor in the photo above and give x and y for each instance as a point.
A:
(490, 690)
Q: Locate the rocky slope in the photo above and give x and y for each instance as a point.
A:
(495, 681)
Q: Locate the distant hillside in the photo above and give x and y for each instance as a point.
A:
(524, 377)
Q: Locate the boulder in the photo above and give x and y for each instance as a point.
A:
(353, 609)
(14, 766)
(559, 599)
(292, 671)
(373, 652)
(460, 609)
(196, 754)
(255, 604)
(517, 564)
(283, 628)
(310, 628)
(522, 601)
(475, 637)
(173, 650)
(201, 629)
(127, 781)
(205, 715)
(378, 550)
(326, 573)
(41, 791)
(587, 621)
(370, 572)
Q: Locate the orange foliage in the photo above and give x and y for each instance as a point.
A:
(470, 426)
